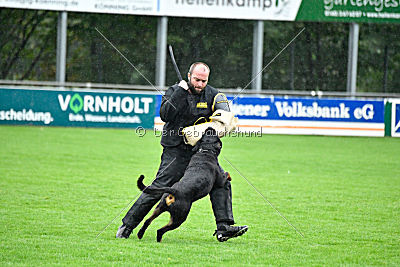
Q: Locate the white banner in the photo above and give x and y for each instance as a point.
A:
(280, 10)
(135, 7)
(232, 9)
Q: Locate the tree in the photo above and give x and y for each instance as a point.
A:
(316, 60)
(27, 44)
(374, 40)
(225, 45)
(92, 58)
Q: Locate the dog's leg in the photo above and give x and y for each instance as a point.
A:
(156, 213)
(171, 225)
(178, 216)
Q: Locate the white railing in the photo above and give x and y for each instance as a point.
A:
(232, 91)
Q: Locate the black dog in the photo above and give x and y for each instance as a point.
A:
(201, 175)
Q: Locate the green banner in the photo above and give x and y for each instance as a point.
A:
(76, 108)
(350, 10)
(388, 119)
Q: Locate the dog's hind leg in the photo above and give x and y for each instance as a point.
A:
(156, 213)
(178, 216)
(171, 225)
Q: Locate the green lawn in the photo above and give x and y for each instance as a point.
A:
(59, 187)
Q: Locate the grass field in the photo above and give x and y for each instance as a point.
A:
(59, 187)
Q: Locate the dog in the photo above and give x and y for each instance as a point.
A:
(201, 175)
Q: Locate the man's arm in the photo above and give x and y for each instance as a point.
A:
(173, 102)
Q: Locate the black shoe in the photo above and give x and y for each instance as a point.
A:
(229, 231)
(123, 231)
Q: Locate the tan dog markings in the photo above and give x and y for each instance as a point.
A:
(228, 176)
(169, 199)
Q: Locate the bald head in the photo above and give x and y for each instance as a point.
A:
(199, 65)
(198, 76)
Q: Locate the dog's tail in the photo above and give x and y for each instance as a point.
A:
(140, 184)
(154, 190)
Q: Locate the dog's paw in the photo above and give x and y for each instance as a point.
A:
(140, 234)
(159, 236)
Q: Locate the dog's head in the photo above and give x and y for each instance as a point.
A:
(209, 142)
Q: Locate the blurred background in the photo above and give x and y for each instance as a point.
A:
(316, 60)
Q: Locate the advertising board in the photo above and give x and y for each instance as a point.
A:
(395, 118)
(76, 108)
(283, 10)
(310, 116)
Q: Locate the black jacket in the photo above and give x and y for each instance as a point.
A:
(180, 109)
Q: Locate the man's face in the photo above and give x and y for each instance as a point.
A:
(199, 78)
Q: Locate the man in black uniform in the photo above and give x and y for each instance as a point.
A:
(182, 105)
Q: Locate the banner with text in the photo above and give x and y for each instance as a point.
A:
(395, 120)
(76, 108)
(277, 115)
(285, 10)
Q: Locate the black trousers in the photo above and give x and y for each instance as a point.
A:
(174, 161)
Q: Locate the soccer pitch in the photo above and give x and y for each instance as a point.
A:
(60, 187)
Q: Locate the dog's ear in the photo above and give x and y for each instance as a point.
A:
(210, 132)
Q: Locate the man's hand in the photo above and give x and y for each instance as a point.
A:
(184, 85)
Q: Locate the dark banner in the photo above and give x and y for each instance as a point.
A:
(76, 108)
